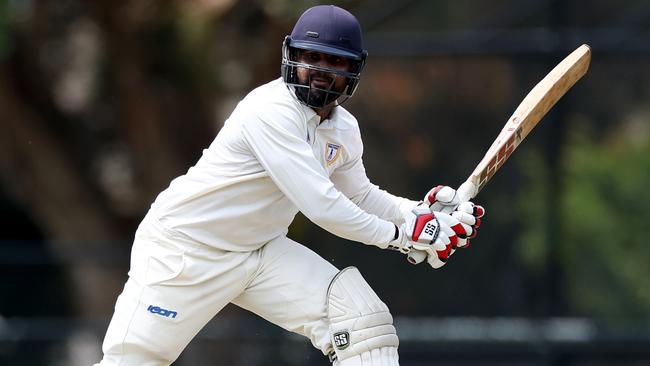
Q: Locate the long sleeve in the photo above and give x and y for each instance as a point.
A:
(281, 149)
(352, 180)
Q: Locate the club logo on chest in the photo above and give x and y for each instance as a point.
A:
(332, 152)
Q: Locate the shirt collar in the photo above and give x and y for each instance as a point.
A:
(331, 121)
(310, 113)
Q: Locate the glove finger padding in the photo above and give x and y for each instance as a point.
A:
(441, 199)
(437, 252)
(470, 214)
(466, 221)
(473, 209)
(433, 258)
(452, 228)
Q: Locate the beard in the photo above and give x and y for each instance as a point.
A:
(317, 96)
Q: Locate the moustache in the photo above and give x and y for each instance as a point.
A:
(321, 76)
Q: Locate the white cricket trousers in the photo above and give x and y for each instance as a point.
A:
(176, 286)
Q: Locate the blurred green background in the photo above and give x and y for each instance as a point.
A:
(103, 102)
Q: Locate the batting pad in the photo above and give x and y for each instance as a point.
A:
(361, 325)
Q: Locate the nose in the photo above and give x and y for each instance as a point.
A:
(319, 75)
(322, 63)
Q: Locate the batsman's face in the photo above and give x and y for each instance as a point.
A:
(320, 79)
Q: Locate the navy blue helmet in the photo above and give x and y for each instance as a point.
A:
(331, 30)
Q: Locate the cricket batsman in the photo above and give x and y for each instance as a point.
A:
(218, 234)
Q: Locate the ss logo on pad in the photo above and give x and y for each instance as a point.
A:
(341, 340)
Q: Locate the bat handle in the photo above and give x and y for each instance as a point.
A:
(466, 192)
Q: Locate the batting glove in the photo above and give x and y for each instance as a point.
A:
(464, 221)
(429, 232)
(445, 199)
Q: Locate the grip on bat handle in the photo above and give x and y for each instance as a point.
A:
(466, 192)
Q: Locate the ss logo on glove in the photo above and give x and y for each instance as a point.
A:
(431, 229)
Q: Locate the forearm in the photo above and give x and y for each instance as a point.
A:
(385, 205)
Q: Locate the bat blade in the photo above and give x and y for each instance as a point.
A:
(526, 116)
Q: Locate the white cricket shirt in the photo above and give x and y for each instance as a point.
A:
(270, 160)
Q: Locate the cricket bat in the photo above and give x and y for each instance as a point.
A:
(527, 115)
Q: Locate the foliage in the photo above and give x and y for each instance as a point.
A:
(604, 256)
(605, 212)
(531, 244)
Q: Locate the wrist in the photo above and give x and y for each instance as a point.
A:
(400, 241)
